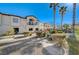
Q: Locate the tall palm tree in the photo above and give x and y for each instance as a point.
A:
(54, 5)
(62, 11)
(74, 16)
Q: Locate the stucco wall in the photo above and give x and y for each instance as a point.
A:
(5, 23)
(23, 26)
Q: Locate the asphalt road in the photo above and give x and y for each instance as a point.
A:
(27, 47)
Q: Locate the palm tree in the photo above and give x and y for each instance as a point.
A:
(54, 5)
(74, 16)
(62, 11)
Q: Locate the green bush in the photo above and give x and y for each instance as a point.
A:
(52, 31)
(30, 33)
(73, 47)
(77, 31)
(8, 33)
(27, 33)
(60, 31)
(41, 34)
(38, 34)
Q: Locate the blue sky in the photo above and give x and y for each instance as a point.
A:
(40, 10)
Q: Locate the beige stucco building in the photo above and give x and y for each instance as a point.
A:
(20, 24)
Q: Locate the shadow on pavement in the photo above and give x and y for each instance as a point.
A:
(9, 49)
(53, 50)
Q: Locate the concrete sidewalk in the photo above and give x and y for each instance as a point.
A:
(4, 37)
(8, 40)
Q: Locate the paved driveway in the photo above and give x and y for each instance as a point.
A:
(30, 46)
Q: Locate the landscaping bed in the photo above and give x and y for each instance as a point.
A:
(73, 47)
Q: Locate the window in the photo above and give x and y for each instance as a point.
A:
(36, 23)
(37, 29)
(30, 22)
(30, 29)
(15, 20)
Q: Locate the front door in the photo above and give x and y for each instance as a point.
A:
(16, 30)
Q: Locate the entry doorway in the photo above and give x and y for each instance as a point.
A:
(37, 29)
(16, 30)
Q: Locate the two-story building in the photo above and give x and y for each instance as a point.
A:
(32, 24)
(19, 24)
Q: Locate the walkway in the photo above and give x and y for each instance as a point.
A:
(29, 46)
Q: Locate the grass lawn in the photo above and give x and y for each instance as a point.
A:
(74, 44)
(77, 34)
(73, 47)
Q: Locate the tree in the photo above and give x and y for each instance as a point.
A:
(54, 5)
(66, 26)
(62, 11)
(74, 17)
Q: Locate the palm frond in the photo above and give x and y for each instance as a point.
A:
(50, 5)
(62, 10)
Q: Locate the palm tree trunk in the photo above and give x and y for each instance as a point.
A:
(62, 21)
(54, 17)
(74, 16)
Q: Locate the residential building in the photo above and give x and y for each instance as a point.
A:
(46, 26)
(8, 22)
(20, 24)
(32, 24)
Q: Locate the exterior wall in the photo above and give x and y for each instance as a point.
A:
(32, 26)
(5, 23)
(15, 24)
(41, 26)
(46, 26)
(23, 26)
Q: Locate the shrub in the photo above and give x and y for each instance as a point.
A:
(9, 32)
(73, 46)
(52, 31)
(30, 33)
(43, 34)
(60, 31)
(27, 33)
(39, 34)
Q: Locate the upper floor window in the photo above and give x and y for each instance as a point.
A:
(15, 20)
(36, 23)
(32, 22)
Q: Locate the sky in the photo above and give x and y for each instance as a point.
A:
(40, 10)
